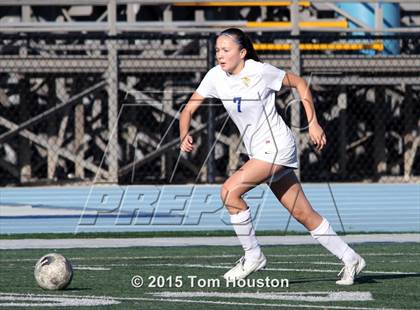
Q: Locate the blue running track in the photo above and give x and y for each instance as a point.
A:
(361, 207)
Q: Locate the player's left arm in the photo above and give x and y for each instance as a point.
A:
(316, 132)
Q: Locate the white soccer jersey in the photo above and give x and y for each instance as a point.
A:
(249, 98)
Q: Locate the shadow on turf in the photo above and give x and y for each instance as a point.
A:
(78, 289)
(306, 280)
(361, 279)
(373, 278)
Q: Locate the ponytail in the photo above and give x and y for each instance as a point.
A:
(243, 41)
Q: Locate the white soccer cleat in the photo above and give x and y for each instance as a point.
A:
(244, 268)
(350, 271)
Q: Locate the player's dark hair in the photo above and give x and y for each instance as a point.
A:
(243, 41)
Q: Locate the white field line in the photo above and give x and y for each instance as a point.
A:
(226, 265)
(295, 262)
(271, 262)
(340, 264)
(275, 269)
(107, 266)
(256, 305)
(294, 296)
(93, 268)
(191, 241)
(76, 267)
(38, 300)
(203, 256)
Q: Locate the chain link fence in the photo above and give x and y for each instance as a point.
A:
(105, 109)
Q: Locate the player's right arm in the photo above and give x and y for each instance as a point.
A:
(185, 120)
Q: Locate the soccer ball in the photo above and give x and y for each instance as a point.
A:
(53, 272)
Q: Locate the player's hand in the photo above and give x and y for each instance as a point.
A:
(187, 144)
(317, 135)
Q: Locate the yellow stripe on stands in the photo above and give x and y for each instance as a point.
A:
(325, 24)
(268, 24)
(377, 46)
(272, 47)
(320, 23)
(251, 3)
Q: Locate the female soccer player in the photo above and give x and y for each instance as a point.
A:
(247, 89)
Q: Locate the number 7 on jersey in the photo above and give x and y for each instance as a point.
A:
(238, 101)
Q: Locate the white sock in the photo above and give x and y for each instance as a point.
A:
(333, 243)
(242, 223)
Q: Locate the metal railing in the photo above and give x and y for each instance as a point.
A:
(80, 107)
(113, 24)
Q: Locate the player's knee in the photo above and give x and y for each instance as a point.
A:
(227, 195)
(223, 192)
(301, 215)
